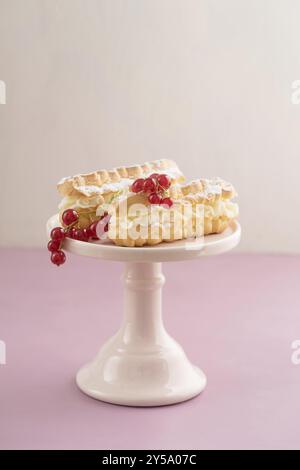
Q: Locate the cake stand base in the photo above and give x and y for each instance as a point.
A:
(141, 365)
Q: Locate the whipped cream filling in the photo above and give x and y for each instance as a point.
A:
(89, 190)
(73, 202)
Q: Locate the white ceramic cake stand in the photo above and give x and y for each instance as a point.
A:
(141, 365)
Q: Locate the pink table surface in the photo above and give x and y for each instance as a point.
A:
(236, 316)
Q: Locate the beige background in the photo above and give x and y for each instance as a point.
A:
(98, 83)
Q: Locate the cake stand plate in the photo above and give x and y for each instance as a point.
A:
(142, 365)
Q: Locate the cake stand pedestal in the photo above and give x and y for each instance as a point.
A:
(142, 365)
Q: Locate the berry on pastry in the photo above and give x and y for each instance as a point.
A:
(153, 197)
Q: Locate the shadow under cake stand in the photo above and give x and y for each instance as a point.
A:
(142, 365)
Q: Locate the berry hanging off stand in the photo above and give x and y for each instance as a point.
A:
(155, 187)
(70, 219)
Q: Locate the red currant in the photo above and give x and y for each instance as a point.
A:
(154, 198)
(164, 181)
(154, 176)
(149, 185)
(85, 235)
(88, 232)
(57, 233)
(69, 217)
(58, 257)
(53, 245)
(70, 233)
(81, 235)
(138, 185)
(167, 201)
(92, 230)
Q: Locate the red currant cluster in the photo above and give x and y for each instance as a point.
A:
(58, 234)
(155, 186)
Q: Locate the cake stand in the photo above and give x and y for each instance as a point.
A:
(141, 365)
